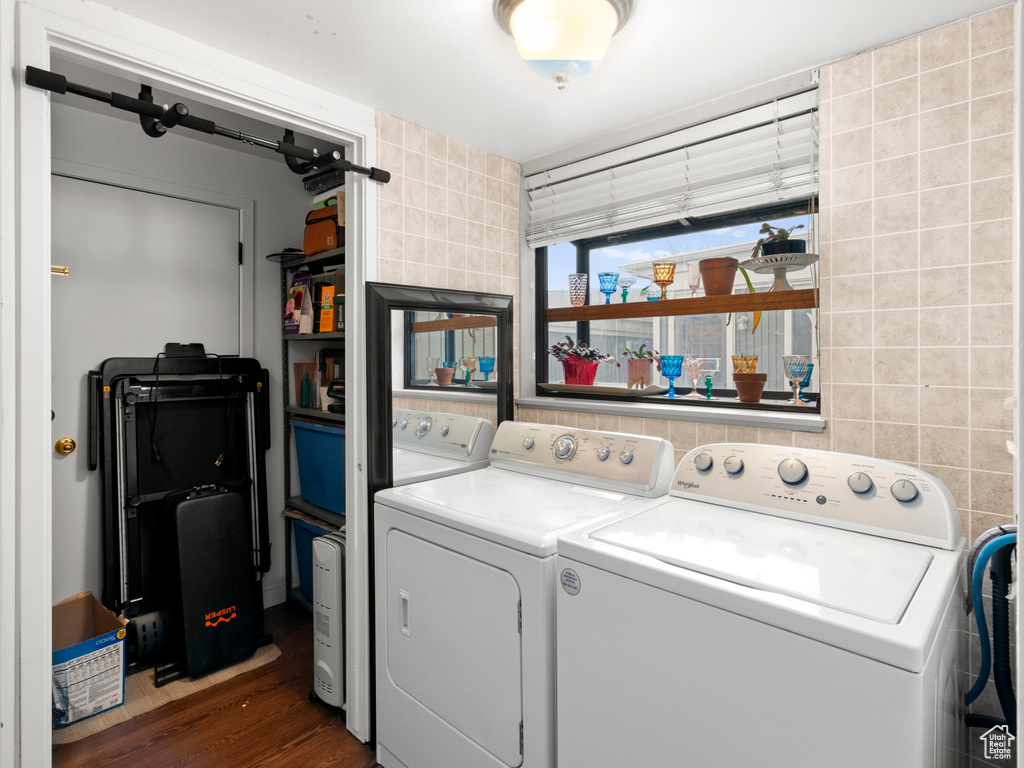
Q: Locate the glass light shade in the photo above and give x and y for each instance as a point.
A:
(563, 39)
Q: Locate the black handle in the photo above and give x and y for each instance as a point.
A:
(94, 419)
(50, 81)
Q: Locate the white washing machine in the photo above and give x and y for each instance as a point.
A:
(428, 445)
(782, 608)
(464, 567)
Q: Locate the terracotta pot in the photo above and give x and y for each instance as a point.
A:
(444, 376)
(579, 371)
(638, 372)
(718, 275)
(749, 386)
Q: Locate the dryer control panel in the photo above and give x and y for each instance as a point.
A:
(442, 434)
(609, 460)
(842, 490)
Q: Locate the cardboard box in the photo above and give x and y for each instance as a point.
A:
(88, 659)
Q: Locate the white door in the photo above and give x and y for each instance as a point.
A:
(146, 269)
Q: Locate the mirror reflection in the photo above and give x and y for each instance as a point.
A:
(452, 351)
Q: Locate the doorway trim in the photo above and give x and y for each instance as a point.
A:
(109, 40)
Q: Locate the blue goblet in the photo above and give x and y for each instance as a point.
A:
(486, 366)
(671, 368)
(609, 284)
(805, 382)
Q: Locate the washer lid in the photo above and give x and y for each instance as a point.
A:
(861, 575)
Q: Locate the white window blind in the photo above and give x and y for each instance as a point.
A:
(763, 155)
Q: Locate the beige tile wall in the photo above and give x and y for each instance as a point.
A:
(916, 294)
(916, 201)
(449, 218)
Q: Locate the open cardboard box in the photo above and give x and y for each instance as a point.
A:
(88, 659)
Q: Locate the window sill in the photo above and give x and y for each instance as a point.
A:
(796, 422)
(454, 396)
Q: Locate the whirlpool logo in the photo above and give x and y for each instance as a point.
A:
(224, 615)
(687, 485)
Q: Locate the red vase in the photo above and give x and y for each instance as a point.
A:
(579, 371)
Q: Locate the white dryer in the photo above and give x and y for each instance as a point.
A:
(782, 608)
(426, 446)
(464, 599)
(429, 445)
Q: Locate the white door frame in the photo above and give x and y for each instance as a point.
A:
(108, 40)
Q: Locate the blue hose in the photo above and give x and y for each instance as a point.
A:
(979, 611)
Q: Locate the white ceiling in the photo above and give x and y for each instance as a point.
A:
(448, 66)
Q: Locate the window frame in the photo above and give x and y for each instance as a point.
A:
(584, 247)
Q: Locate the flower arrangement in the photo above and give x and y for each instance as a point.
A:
(563, 349)
(642, 353)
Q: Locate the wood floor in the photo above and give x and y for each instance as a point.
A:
(261, 718)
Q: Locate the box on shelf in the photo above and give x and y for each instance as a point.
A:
(320, 455)
(88, 659)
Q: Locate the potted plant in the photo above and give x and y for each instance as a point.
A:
(638, 366)
(579, 360)
(776, 240)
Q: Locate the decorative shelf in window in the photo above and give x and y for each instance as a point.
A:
(707, 305)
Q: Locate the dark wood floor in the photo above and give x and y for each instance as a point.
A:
(261, 718)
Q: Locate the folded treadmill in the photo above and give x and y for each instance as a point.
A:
(180, 441)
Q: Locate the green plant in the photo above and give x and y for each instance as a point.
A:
(642, 353)
(563, 349)
(770, 234)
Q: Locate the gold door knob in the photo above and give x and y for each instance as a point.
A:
(65, 445)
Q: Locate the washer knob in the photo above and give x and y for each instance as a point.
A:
(792, 471)
(404, 424)
(733, 465)
(860, 482)
(394, 420)
(626, 456)
(423, 427)
(603, 453)
(903, 490)
(703, 461)
(528, 443)
(565, 448)
(444, 430)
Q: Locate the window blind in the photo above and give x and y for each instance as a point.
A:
(763, 155)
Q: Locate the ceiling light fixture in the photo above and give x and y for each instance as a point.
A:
(562, 39)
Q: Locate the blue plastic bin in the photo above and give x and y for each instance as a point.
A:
(320, 453)
(304, 533)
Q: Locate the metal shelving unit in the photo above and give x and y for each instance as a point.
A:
(332, 258)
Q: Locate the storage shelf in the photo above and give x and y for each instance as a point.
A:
(314, 336)
(319, 513)
(456, 324)
(315, 413)
(335, 257)
(706, 305)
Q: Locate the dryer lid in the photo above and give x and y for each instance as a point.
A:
(858, 574)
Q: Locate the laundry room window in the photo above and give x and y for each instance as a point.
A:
(676, 200)
(714, 337)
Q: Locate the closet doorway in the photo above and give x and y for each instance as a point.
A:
(145, 268)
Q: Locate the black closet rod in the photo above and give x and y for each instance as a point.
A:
(156, 120)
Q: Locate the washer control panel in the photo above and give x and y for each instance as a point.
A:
(609, 460)
(443, 434)
(842, 490)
